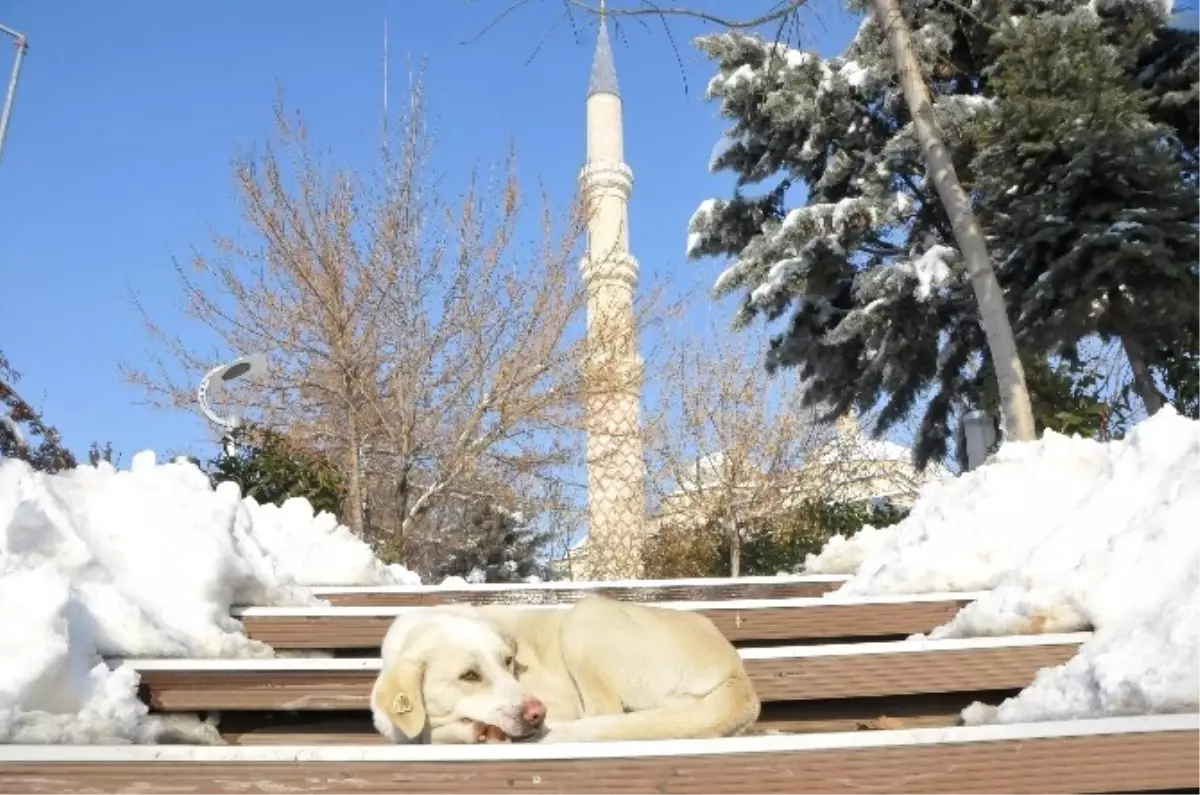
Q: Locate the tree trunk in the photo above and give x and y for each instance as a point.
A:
(735, 548)
(354, 490)
(1143, 379)
(1016, 411)
(399, 534)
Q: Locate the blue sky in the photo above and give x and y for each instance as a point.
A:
(129, 113)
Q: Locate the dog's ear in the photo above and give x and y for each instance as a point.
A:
(397, 694)
(514, 646)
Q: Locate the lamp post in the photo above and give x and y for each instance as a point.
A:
(979, 436)
(214, 383)
(22, 47)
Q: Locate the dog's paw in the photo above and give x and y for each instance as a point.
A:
(486, 733)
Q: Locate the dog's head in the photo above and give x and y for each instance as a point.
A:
(450, 666)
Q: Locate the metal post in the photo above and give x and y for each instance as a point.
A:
(214, 382)
(22, 46)
(979, 435)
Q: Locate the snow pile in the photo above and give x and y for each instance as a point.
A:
(1067, 535)
(53, 689)
(316, 550)
(964, 533)
(145, 562)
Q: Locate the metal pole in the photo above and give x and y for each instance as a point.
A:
(979, 436)
(22, 47)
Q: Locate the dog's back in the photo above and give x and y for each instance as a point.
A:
(638, 671)
(609, 670)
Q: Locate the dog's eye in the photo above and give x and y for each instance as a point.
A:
(470, 676)
(508, 661)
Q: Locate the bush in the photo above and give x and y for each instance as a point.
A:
(270, 469)
(769, 546)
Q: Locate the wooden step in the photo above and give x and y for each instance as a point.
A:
(796, 673)
(887, 713)
(1131, 754)
(686, 590)
(744, 621)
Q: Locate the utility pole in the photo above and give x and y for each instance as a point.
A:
(22, 47)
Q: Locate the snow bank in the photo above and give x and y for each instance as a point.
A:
(53, 689)
(316, 550)
(1066, 534)
(964, 533)
(145, 562)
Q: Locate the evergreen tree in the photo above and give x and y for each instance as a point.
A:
(1086, 196)
(1168, 67)
(1180, 370)
(492, 542)
(880, 309)
(271, 470)
(24, 435)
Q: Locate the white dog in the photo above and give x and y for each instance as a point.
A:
(597, 670)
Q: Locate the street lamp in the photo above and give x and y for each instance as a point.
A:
(214, 383)
(22, 47)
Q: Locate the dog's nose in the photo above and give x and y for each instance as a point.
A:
(533, 711)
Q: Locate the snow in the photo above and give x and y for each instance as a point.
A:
(743, 74)
(1066, 534)
(724, 144)
(778, 277)
(932, 270)
(854, 73)
(13, 428)
(797, 58)
(325, 553)
(145, 562)
(700, 225)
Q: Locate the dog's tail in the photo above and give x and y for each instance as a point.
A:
(729, 709)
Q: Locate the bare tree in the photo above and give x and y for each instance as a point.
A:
(1016, 408)
(407, 335)
(729, 442)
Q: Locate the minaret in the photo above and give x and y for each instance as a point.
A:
(616, 470)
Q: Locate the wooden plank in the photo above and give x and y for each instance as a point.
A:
(797, 673)
(905, 667)
(742, 621)
(788, 717)
(699, 589)
(1154, 753)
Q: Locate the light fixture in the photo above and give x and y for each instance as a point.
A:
(214, 383)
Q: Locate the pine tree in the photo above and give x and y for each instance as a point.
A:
(1168, 67)
(1087, 197)
(881, 308)
(24, 434)
(271, 469)
(1166, 63)
(866, 265)
(492, 543)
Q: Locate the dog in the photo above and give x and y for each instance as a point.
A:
(594, 671)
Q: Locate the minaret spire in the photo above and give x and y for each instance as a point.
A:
(604, 73)
(616, 471)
